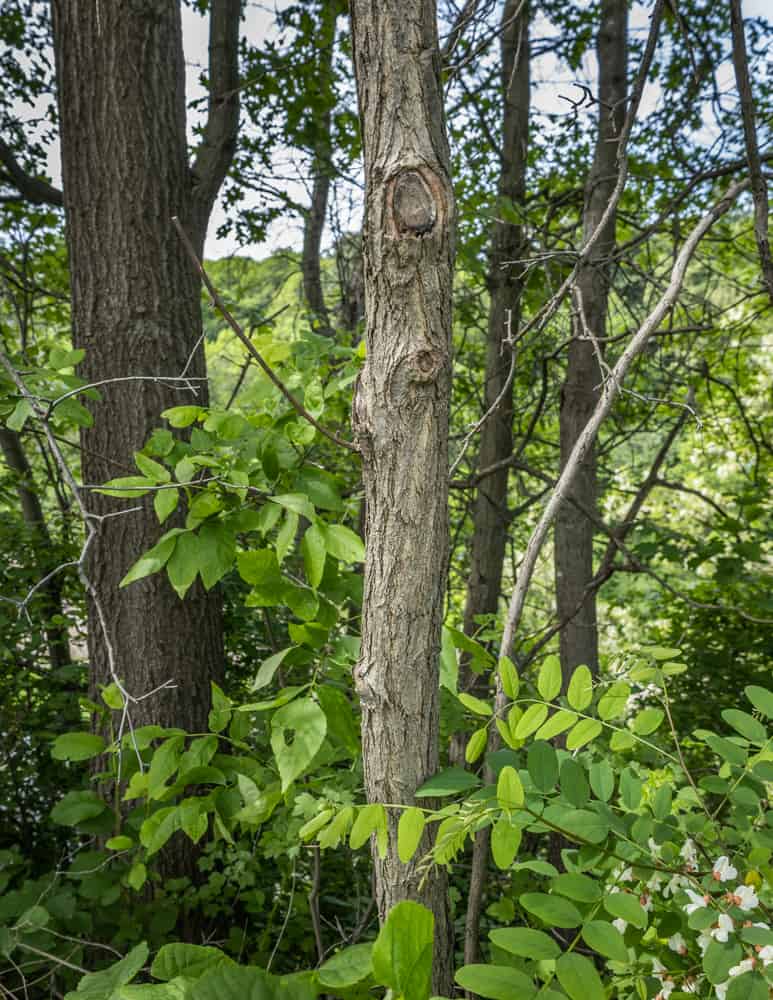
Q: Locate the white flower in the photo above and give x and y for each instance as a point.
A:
(723, 927)
(626, 875)
(620, 924)
(745, 965)
(658, 969)
(666, 989)
(721, 990)
(654, 849)
(765, 954)
(745, 897)
(645, 901)
(723, 871)
(678, 944)
(654, 882)
(704, 940)
(690, 985)
(690, 855)
(676, 883)
(697, 902)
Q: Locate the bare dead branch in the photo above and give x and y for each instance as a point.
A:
(31, 189)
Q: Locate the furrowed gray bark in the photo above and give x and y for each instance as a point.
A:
(136, 309)
(490, 523)
(400, 416)
(580, 392)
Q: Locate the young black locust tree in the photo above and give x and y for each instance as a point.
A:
(400, 415)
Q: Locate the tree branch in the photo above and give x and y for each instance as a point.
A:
(31, 189)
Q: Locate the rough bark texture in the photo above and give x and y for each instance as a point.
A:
(136, 311)
(400, 415)
(490, 523)
(580, 391)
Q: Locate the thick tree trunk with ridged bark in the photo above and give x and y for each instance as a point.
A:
(136, 311)
(400, 415)
(574, 529)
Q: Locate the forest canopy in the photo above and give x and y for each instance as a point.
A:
(385, 421)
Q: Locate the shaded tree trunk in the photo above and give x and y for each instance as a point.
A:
(136, 309)
(580, 392)
(400, 415)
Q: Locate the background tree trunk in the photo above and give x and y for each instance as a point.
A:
(136, 310)
(400, 414)
(580, 392)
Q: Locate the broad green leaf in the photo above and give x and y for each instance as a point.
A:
(578, 976)
(509, 677)
(228, 981)
(119, 843)
(631, 787)
(574, 784)
(530, 721)
(476, 745)
(749, 986)
(347, 968)
(370, 819)
(557, 723)
(509, 789)
(180, 959)
(77, 746)
(158, 828)
(183, 416)
(605, 939)
(337, 829)
(183, 564)
(102, 985)
(746, 725)
(344, 544)
(553, 910)
(298, 503)
(216, 552)
(314, 552)
(19, 415)
(268, 668)
(626, 906)
(602, 780)
(126, 487)
(476, 705)
(112, 697)
(761, 698)
(525, 942)
(724, 748)
(151, 469)
(719, 958)
(259, 567)
(542, 764)
(505, 841)
(661, 652)
(647, 721)
(138, 875)
(584, 824)
(447, 782)
(409, 833)
(153, 560)
(496, 982)
(614, 701)
(579, 694)
(573, 885)
(164, 764)
(402, 952)
(549, 678)
(76, 807)
(305, 722)
(583, 732)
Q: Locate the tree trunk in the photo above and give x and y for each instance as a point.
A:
(490, 524)
(580, 391)
(400, 415)
(136, 310)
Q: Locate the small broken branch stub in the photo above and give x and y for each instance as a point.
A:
(414, 202)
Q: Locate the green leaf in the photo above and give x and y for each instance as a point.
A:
(138, 875)
(216, 552)
(370, 819)
(268, 668)
(552, 910)
(525, 942)
(180, 959)
(228, 981)
(309, 829)
(183, 416)
(505, 841)
(165, 503)
(661, 652)
(647, 721)
(573, 885)
(549, 679)
(614, 701)
(606, 940)
(475, 705)
(126, 487)
(151, 469)
(726, 749)
(112, 697)
(77, 746)
(76, 807)
(749, 986)
(602, 780)
(530, 721)
(18, 418)
(495, 982)
(163, 765)
(447, 782)
(509, 677)
(746, 725)
(574, 784)
(719, 958)
(542, 764)
(298, 503)
(158, 828)
(509, 789)
(761, 698)
(557, 723)
(626, 906)
(578, 976)
(119, 843)
(409, 833)
(579, 694)
(306, 723)
(402, 952)
(314, 552)
(259, 567)
(344, 544)
(347, 968)
(183, 564)
(584, 732)
(102, 985)
(153, 560)
(584, 824)
(476, 745)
